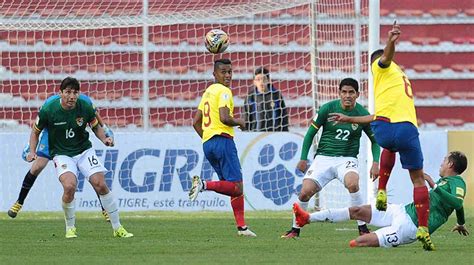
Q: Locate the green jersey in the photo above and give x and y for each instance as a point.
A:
(341, 139)
(444, 199)
(67, 134)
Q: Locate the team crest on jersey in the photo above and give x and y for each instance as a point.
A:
(80, 121)
(355, 126)
(64, 166)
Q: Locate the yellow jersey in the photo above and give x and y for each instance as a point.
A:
(393, 94)
(216, 96)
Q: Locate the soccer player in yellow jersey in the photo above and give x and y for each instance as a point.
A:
(214, 122)
(395, 128)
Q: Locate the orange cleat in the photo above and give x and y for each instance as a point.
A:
(301, 216)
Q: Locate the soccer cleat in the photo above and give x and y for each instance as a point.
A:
(105, 215)
(121, 232)
(292, 233)
(245, 231)
(196, 188)
(16, 207)
(381, 200)
(301, 216)
(423, 235)
(71, 232)
(363, 229)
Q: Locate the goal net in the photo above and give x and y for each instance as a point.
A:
(144, 65)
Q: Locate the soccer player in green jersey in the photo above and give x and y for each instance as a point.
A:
(399, 222)
(66, 119)
(336, 156)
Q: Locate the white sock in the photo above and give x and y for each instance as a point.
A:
(331, 215)
(69, 209)
(356, 200)
(304, 206)
(111, 207)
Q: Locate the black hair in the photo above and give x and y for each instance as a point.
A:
(459, 161)
(376, 55)
(224, 61)
(262, 70)
(70, 82)
(349, 82)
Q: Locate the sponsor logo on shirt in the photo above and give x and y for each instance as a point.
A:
(60, 123)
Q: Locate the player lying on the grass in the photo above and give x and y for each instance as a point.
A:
(338, 148)
(399, 222)
(395, 128)
(66, 119)
(214, 122)
(42, 152)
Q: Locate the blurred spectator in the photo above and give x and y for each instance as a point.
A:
(265, 109)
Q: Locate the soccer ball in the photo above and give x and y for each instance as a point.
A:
(216, 41)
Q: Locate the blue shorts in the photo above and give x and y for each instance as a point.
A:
(401, 137)
(222, 155)
(42, 149)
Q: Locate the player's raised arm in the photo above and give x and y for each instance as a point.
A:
(389, 50)
(197, 123)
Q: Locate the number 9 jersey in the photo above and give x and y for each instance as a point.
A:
(216, 96)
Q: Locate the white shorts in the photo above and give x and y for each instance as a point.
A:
(397, 226)
(326, 168)
(87, 163)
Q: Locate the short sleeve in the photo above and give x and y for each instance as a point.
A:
(458, 188)
(41, 120)
(225, 98)
(322, 116)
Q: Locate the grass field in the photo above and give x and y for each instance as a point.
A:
(208, 238)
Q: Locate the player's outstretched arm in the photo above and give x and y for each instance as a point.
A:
(227, 119)
(197, 123)
(389, 50)
(341, 118)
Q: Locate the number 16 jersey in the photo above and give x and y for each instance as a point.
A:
(67, 134)
(216, 96)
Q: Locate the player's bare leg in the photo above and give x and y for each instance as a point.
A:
(37, 166)
(387, 162)
(351, 182)
(97, 181)
(69, 183)
(421, 199)
(309, 188)
(366, 240)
